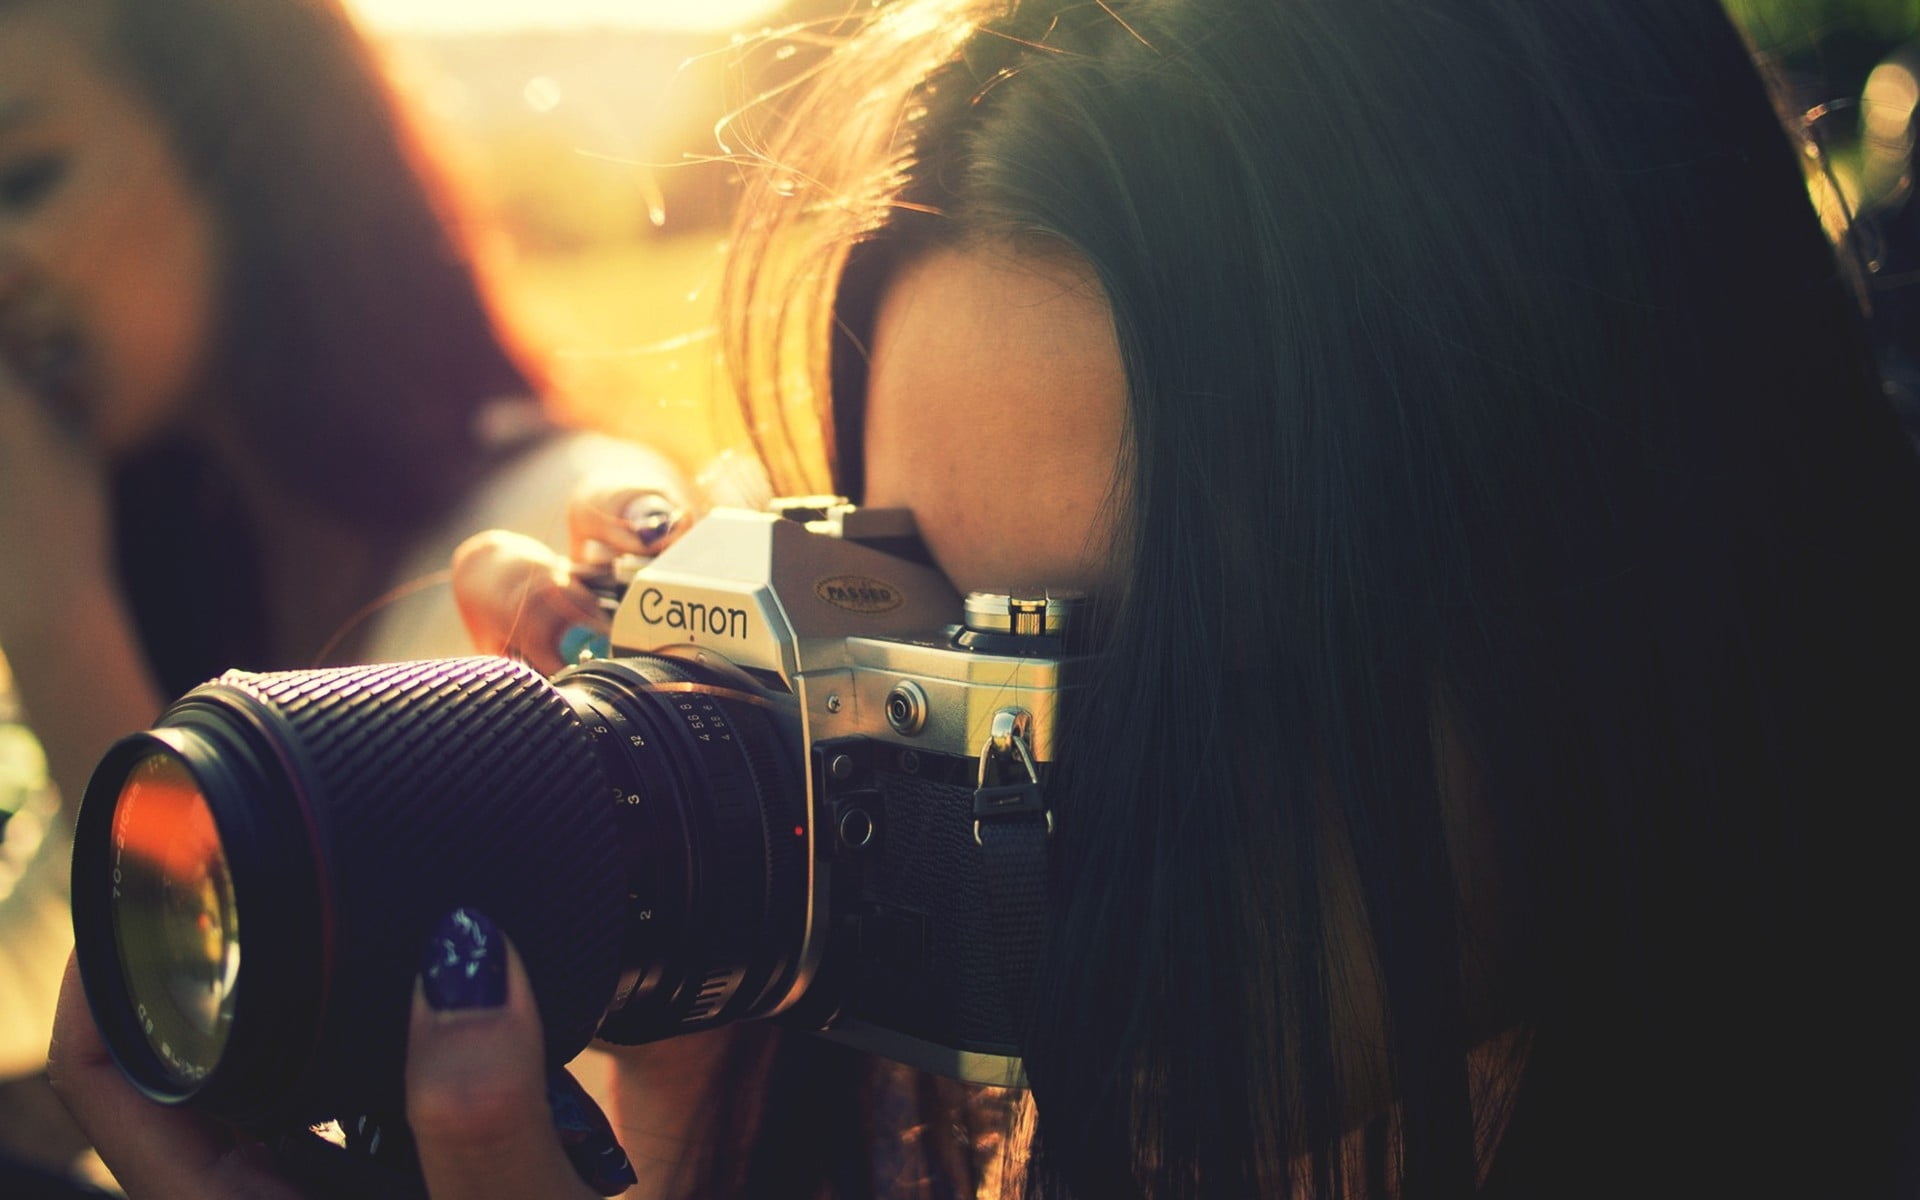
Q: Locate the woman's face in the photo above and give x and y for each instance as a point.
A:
(108, 256)
(996, 411)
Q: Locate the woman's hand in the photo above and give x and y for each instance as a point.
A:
(521, 598)
(153, 1151)
(488, 1120)
(484, 1117)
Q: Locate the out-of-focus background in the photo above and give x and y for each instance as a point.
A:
(1849, 69)
(587, 129)
(1827, 47)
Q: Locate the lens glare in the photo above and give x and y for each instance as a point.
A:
(175, 923)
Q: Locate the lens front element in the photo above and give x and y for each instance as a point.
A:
(175, 923)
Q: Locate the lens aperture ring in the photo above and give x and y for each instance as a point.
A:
(653, 845)
(699, 746)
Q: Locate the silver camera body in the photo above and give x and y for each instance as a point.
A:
(916, 714)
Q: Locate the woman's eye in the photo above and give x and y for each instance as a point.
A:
(27, 182)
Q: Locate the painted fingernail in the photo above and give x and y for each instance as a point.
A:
(373, 1137)
(651, 517)
(465, 963)
(587, 1136)
(582, 642)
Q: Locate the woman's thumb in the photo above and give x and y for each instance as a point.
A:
(480, 1100)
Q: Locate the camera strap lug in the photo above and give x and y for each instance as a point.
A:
(1005, 755)
(1012, 824)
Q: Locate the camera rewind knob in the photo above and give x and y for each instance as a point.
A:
(1047, 614)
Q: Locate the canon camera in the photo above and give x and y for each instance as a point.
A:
(806, 781)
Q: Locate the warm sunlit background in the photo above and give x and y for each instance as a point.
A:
(586, 126)
(586, 130)
(469, 16)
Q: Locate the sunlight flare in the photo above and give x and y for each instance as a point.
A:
(502, 16)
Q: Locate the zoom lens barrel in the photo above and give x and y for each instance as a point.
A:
(254, 878)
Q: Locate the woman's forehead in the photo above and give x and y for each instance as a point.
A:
(996, 410)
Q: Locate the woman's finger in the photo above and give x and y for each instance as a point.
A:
(519, 598)
(587, 1136)
(606, 520)
(479, 1099)
(154, 1152)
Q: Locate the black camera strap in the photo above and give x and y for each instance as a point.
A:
(1012, 823)
(1016, 869)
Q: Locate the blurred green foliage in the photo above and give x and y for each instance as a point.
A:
(1827, 46)
(1791, 20)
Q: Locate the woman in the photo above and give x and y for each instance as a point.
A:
(250, 380)
(1505, 565)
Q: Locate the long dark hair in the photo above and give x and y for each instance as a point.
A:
(1521, 638)
(357, 343)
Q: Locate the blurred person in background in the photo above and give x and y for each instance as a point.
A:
(1505, 564)
(250, 383)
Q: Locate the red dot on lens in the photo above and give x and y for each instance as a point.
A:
(799, 831)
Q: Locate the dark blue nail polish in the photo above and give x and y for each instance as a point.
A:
(587, 1136)
(465, 964)
(651, 518)
(609, 1173)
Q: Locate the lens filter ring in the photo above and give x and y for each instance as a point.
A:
(353, 807)
(172, 869)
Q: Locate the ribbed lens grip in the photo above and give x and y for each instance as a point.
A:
(435, 784)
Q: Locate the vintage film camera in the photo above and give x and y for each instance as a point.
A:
(807, 783)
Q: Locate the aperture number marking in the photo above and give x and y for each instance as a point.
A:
(705, 721)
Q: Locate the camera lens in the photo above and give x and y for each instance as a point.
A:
(638, 827)
(175, 924)
(336, 816)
